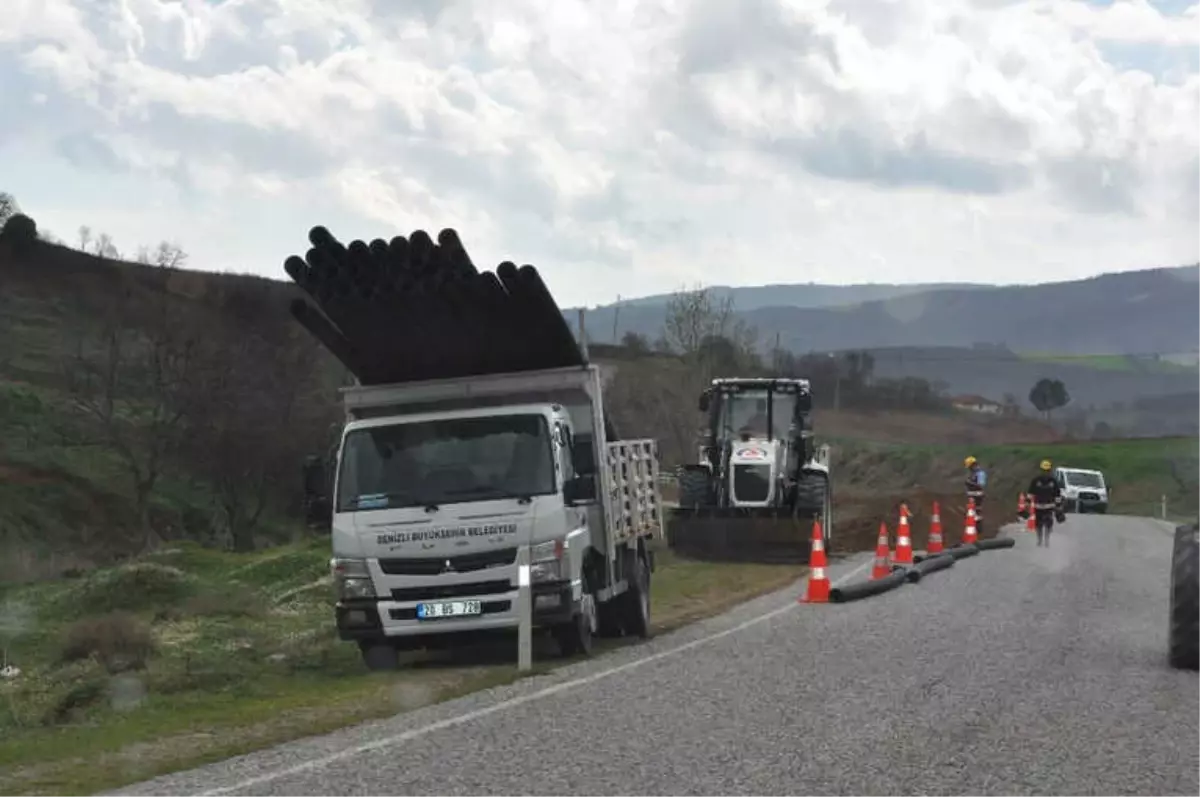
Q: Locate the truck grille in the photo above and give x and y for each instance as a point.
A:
(435, 565)
(1088, 496)
(751, 482)
(440, 591)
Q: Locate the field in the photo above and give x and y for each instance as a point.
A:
(1112, 362)
(873, 478)
(189, 655)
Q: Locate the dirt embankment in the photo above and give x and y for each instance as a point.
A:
(870, 484)
(924, 428)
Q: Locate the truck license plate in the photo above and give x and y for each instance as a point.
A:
(435, 611)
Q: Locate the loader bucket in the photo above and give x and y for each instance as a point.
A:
(740, 535)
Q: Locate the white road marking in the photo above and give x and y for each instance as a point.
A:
(471, 716)
(852, 574)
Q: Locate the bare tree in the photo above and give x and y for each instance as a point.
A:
(701, 338)
(133, 386)
(695, 317)
(249, 421)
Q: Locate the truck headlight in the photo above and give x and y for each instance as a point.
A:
(545, 561)
(351, 579)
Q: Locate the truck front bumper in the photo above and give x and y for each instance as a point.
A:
(372, 619)
(1085, 505)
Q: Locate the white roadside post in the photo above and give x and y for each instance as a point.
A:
(1163, 504)
(524, 612)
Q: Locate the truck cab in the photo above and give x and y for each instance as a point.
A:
(1082, 490)
(438, 484)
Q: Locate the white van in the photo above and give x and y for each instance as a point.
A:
(1083, 490)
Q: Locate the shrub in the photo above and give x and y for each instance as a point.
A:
(118, 640)
(133, 587)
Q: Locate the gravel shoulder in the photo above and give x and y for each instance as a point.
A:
(1015, 672)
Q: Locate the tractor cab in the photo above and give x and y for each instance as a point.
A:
(754, 410)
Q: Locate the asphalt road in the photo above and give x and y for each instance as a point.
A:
(1025, 671)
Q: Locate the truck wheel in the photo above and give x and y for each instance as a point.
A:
(635, 601)
(379, 656)
(1184, 640)
(575, 637)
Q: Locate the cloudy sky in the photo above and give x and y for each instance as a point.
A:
(623, 147)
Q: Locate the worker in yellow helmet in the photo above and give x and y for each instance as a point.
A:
(1047, 497)
(976, 484)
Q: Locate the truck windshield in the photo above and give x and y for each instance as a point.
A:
(446, 461)
(746, 413)
(1077, 478)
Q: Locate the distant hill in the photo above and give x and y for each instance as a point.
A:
(1154, 310)
(810, 294)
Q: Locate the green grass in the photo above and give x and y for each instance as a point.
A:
(1111, 362)
(244, 655)
(1138, 471)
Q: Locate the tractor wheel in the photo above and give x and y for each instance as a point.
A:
(813, 500)
(1184, 640)
(693, 487)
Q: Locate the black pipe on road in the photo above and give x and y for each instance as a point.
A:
(865, 589)
(995, 544)
(929, 565)
(962, 551)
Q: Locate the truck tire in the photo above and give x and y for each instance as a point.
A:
(635, 601)
(1184, 639)
(575, 637)
(379, 656)
(693, 487)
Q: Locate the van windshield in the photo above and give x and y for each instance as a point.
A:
(447, 461)
(1078, 478)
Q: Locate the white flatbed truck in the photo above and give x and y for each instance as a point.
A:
(438, 483)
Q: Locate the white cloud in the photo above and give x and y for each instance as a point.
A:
(624, 147)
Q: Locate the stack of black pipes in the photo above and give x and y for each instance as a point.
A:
(412, 309)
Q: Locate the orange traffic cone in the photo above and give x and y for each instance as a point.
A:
(903, 539)
(882, 568)
(1021, 511)
(818, 579)
(935, 532)
(1031, 520)
(970, 536)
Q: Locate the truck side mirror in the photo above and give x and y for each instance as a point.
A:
(579, 490)
(803, 402)
(317, 508)
(703, 402)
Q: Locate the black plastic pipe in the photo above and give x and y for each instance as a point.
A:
(930, 565)
(865, 589)
(962, 551)
(995, 544)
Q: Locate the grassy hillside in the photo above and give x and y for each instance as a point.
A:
(142, 404)
(871, 476)
(190, 655)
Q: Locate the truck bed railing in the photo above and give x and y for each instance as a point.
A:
(635, 501)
